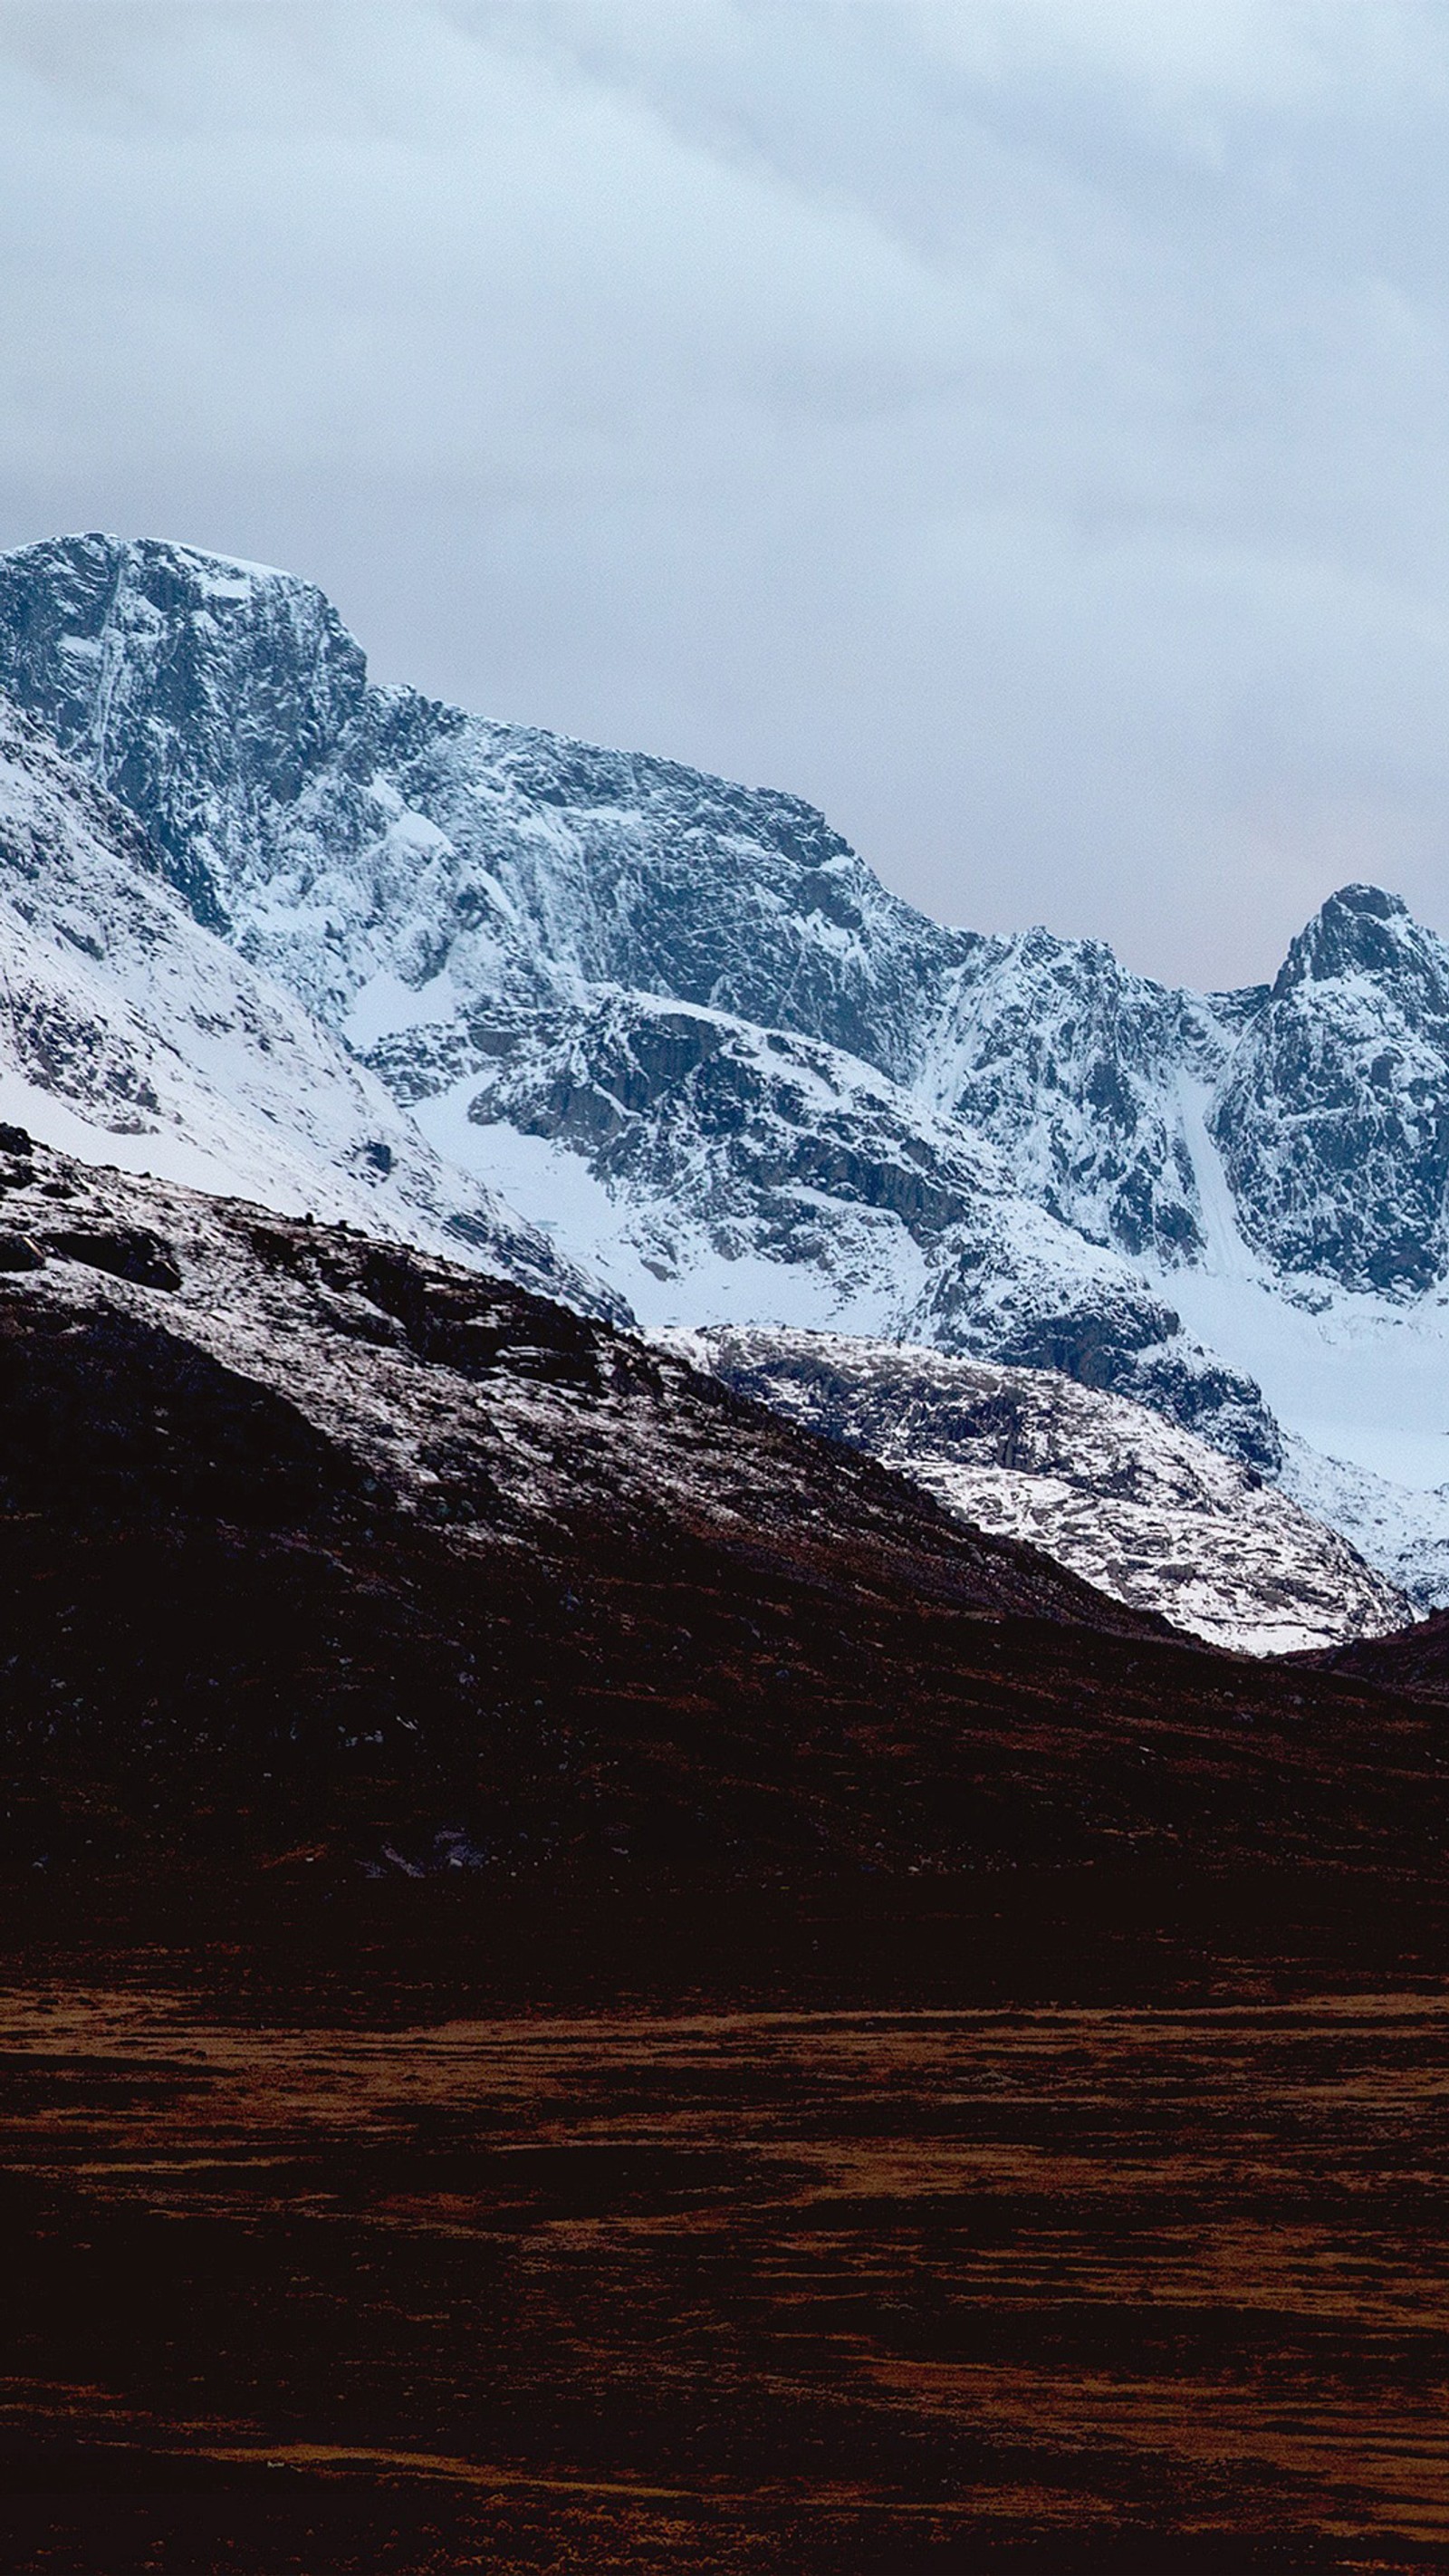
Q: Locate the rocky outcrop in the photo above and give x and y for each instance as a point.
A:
(1135, 1505)
(1333, 1121)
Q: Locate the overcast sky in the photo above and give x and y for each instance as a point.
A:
(1021, 426)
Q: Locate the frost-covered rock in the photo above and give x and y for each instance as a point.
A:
(1073, 1068)
(741, 1170)
(1333, 1122)
(129, 1034)
(1137, 1506)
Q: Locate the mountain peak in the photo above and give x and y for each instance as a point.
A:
(128, 649)
(1367, 899)
(102, 552)
(1360, 930)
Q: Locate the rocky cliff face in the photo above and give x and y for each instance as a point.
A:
(203, 694)
(1333, 1119)
(1073, 1068)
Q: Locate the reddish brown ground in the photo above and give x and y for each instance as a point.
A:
(395, 2282)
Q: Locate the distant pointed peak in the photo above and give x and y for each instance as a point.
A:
(1375, 901)
(1359, 930)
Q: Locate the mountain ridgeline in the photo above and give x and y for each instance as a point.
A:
(717, 1066)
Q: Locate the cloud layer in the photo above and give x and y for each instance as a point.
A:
(1020, 427)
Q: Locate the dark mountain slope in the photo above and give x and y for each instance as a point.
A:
(1411, 1659)
(308, 1539)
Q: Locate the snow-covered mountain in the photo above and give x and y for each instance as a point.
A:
(685, 1031)
(1137, 1506)
(718, 1170)
(488, 916)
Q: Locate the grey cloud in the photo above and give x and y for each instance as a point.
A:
(1021, 428)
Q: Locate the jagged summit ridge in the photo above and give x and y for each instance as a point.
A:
(387, 856)
(231, 709)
